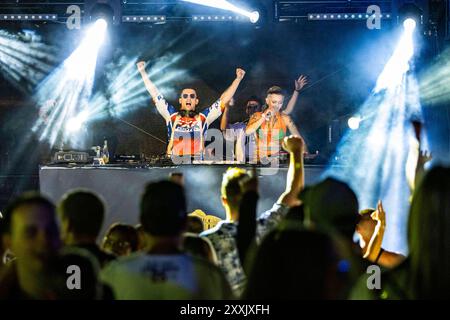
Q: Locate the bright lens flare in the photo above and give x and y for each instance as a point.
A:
(254, 17)
(353, 123)
(409, 24)
(75, 124)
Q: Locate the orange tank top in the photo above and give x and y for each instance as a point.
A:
(269, 136)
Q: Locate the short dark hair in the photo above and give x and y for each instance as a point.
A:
(332, 203)
(27, 198)
(194, 224)
(254, 98)
(188, 88)
(84, 211)
(275, 90)
(366, 214)
(128, 233)
(163, 209)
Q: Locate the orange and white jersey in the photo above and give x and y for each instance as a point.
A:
(186, 133)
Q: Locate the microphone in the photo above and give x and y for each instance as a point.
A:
(268, 115)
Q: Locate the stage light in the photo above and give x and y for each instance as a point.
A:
(76, 123)
(339, 16)
(253, 16)
(398, 64)
(70, 86)
(353, 122)
(27, 17)
(435, 81)
(410, 16)
(409, 24)
(110, 10)
(376, 153)
(24, 59)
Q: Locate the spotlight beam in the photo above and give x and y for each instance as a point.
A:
(398, 64)
(225, 5)
(24, 63)
(375, 155)
(70, 87)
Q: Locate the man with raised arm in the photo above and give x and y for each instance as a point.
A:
(223, 236)
(187, 128)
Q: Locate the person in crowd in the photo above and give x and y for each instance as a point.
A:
(142, 239)
(223, 235)
(199, 247)
(77, 276)
(194, 224)
(121, 240)
(294, 264)
(31, 232)
(332, 207)
(165, 271)
(177, 177)
(81, 213)
(417, 158)
(424, 273)
(187, 127)
(370, 230)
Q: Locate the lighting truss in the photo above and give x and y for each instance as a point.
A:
(28, 17)
(144, 19)
(345, 16)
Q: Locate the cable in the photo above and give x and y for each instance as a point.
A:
(141, 130)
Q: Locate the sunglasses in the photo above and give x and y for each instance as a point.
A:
(185, 95)
(187, 113)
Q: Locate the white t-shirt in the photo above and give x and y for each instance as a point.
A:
(159, 277)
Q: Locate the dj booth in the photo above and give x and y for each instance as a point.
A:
(121, 186)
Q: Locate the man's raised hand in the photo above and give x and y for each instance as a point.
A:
(240, 73)
(293, 144)
(141, 65)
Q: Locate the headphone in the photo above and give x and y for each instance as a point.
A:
(188, 113)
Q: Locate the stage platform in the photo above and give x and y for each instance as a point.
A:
(121, 186)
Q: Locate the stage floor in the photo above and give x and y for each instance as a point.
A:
(121, 186)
